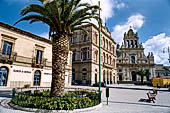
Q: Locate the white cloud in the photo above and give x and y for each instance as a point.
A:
(107, 7)
(156, 44)
(135, 21)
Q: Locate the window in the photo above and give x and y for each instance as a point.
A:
(103, 42)
(73, 76)
(104, 57)
(113, 49)
(107, 58)
(96, 55)
(96, 38)
(37, 76)
(39, 57)
(74, 55)
(85, 38)
(85, 53)
(106, 43)
(110, 60)
(74, 40)
(109, 46)
(84, 74)
(7, 47)
(132, 59)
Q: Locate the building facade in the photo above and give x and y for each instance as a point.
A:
(131, 58)
(26, 58)
(85, 59)
(162, 71)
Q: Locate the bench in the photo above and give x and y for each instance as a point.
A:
(151, 97)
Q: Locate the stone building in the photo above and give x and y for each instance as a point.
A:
(162, 71)
(85, 47)
(131, 58)
(26, 58)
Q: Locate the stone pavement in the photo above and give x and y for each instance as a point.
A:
(125, 99)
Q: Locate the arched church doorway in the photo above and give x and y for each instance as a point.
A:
(133, 76)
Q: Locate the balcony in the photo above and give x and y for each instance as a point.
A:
(38, 64)
(108, 65)
(8, 59)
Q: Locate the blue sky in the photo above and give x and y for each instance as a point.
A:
(150, 18)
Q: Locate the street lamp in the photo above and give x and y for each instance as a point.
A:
(167, 49)
(99, 53)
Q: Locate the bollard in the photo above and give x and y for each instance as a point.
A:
(107, 94)
(13, 92)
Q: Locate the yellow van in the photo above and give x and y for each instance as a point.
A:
(160, 82)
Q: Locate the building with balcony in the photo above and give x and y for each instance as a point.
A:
(131, 58)
(85, 59)
(26, 58)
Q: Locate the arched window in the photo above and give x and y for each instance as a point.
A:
(107, 58)
(132, 59)
(106, 43)
(103, 42)
(114, 50)
(37, 77)
(3, 76)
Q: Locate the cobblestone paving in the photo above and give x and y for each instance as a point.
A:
(125, 101)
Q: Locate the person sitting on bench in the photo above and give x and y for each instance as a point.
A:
(151, 97)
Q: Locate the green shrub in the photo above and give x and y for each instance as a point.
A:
(71, 100)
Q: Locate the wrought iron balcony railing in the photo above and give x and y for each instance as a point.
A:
(8, 59)
(38, 63)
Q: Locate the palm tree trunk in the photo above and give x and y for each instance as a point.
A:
(60, 51)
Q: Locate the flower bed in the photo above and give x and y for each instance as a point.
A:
(42, 100)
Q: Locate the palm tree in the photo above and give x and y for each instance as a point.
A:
(63, 17)
(143, 73)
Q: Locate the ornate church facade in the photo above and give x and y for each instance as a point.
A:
(131, 58)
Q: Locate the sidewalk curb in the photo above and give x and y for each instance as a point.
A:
(54, 111)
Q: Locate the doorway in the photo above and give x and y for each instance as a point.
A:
(37, 77)
(133, 76)
(3, 76)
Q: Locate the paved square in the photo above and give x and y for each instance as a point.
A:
(125, 99)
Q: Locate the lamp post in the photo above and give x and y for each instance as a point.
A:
(99, 54)
(167, 49)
